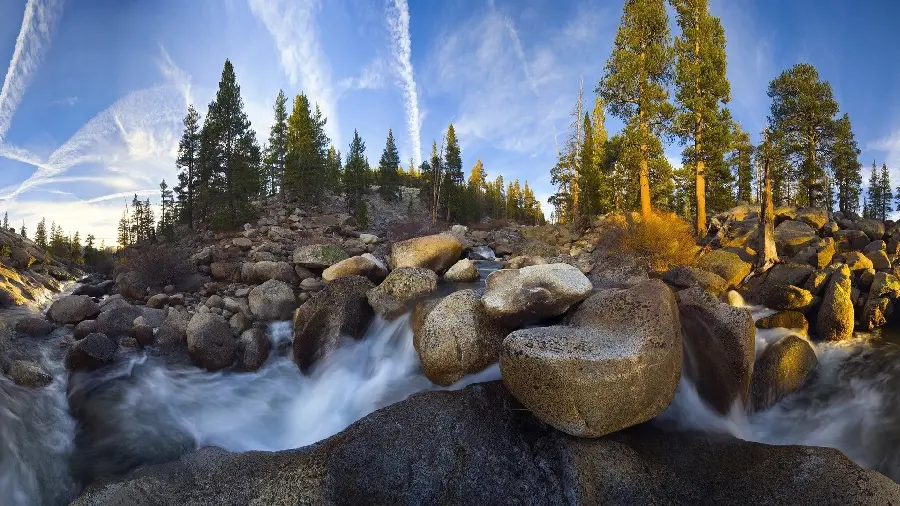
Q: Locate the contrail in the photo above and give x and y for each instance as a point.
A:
(38, 24)
(401, 47)
(520, 52)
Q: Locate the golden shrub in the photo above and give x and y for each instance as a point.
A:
(660, 242)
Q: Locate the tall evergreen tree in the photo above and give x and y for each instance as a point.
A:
(873, 203)
(188, 162)
(566, 174)
(599, 141)
(388, 178)
(844, 161)
(235, 179)
(23, 231)
(702, 90)
(307, 148)
(40, 234)
(803, 108)
(166, 226)
(454, 177)
(635, 79)
(276, 149)
(741, 162)
(5, 220)
(333, 168)
(884, 205)
(356, 179)
(588, 176)
(124, 229)
(476, 201)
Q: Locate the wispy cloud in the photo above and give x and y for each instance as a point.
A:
(371, 78)
(401, 47)
(292, 25)
(66, 101)
(38, 23)
(890, 146)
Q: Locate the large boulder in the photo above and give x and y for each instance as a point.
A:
(615, 364)
(118, 321)
(72, 309)
(94, 351)
(229, 271)
(318, 256)
(29, 374)
(210, 342)
(457, 337)
(363, 265)
(876, 312)
(260, 272)
(784, 319)
(880, 260)
(781, 370)
(725, 264)
(792, 236)
(835, 317)
(172, 334)
(719, 348)
(272, 300)
(850, 240)
(784, 297)
(534, 293)
(477, 446)
(435, 252)
(856, 261)
(340, 309)
(34, 326)
(874, 229)
(402, 287)
(814, 217)
(131, 285)
(253, 349)
(685, 276)
(463, 271)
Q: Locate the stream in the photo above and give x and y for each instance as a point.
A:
(145, 410)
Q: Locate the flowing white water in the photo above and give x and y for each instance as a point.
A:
(146, 409)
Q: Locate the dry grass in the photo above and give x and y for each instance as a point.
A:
(660, 242)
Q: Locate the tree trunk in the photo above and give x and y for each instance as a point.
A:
(767, 253)
(700, 182)
(644, 177)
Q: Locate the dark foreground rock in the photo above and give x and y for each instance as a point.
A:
(478, 446)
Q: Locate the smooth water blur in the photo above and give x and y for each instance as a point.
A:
(848, 403)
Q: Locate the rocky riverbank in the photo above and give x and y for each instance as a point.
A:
(592, 345)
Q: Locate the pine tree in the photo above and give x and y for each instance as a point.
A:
(873, 203)
(388, 178)
(40, 234)
(166, 226)
(276, 149)
(476, 201)
(635, 79)
(23, 231)
(884, 205)
(5, 220)
(701, 91)
(188, 163)
(432, 181)
(124, 229)
(234, 176)
(305, 173)
(499, 199)
(454, 177)
(604, 202)
(741, 163)
(356, 179)
(333, 168)
(803, 108)
(588, 175)
(844, 161)
(75, 249)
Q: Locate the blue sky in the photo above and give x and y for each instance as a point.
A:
(94, 93)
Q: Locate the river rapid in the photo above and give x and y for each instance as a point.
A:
(147, 410)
